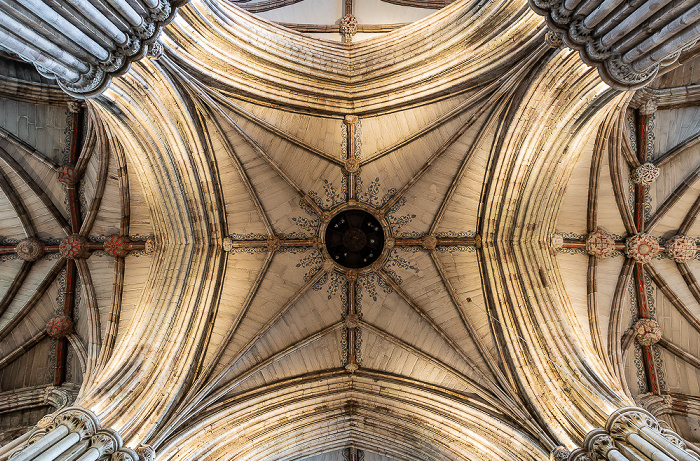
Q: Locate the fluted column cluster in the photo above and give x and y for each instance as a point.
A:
(82, 43)
(630, 434)
(627, 41)
(72, 434)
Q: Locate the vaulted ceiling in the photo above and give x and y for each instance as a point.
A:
(473, 143)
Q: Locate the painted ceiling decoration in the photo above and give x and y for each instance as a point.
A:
(448, 239)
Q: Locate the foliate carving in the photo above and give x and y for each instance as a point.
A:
(60, 397)
(66, 174)
(600, 244)
(161, 12)
(377, 265)
(273, 243)
(351, 275)
(681, 248)
(125, 454)
(555, 40)
(74, 247)
(674, 438)
(59, 326)
(348, 26)
(44, 422)
(74, 106)
(150, 246)
(106, 441)
(78, 420)
(155, 50)
(569, 23)
(352, 321)
(647, 332)
(645, 174)
(146, 453)
(599, 442)
(30, 249)
(649, 107)
(559, 454)
(628, 420)
(352, 367)
(352, 165)
(117, 246)
(429, 242)
(579, 455)
(642, 248)
(145, 30)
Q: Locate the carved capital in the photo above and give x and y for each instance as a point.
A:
(629, 420)
(78, 420)
(106, 441)
(599, 442)
(559, 454)
(146, 453)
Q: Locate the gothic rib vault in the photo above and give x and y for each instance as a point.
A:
(172, 285)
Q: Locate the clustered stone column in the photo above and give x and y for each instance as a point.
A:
(630, 434)
(82, 43)
(72, 434)
(627, 41)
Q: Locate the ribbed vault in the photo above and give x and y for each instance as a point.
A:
(476, 335)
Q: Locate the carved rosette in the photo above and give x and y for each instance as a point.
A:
(642, 248)
(600, 244)
(67, 175)
(647, 332)
(117, 246)
(30, 249)
(645, 174)
(74, 247)
(59, 326)
(348, 26)
(681, 248)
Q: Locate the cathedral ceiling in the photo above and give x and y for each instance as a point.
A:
(242, 337)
